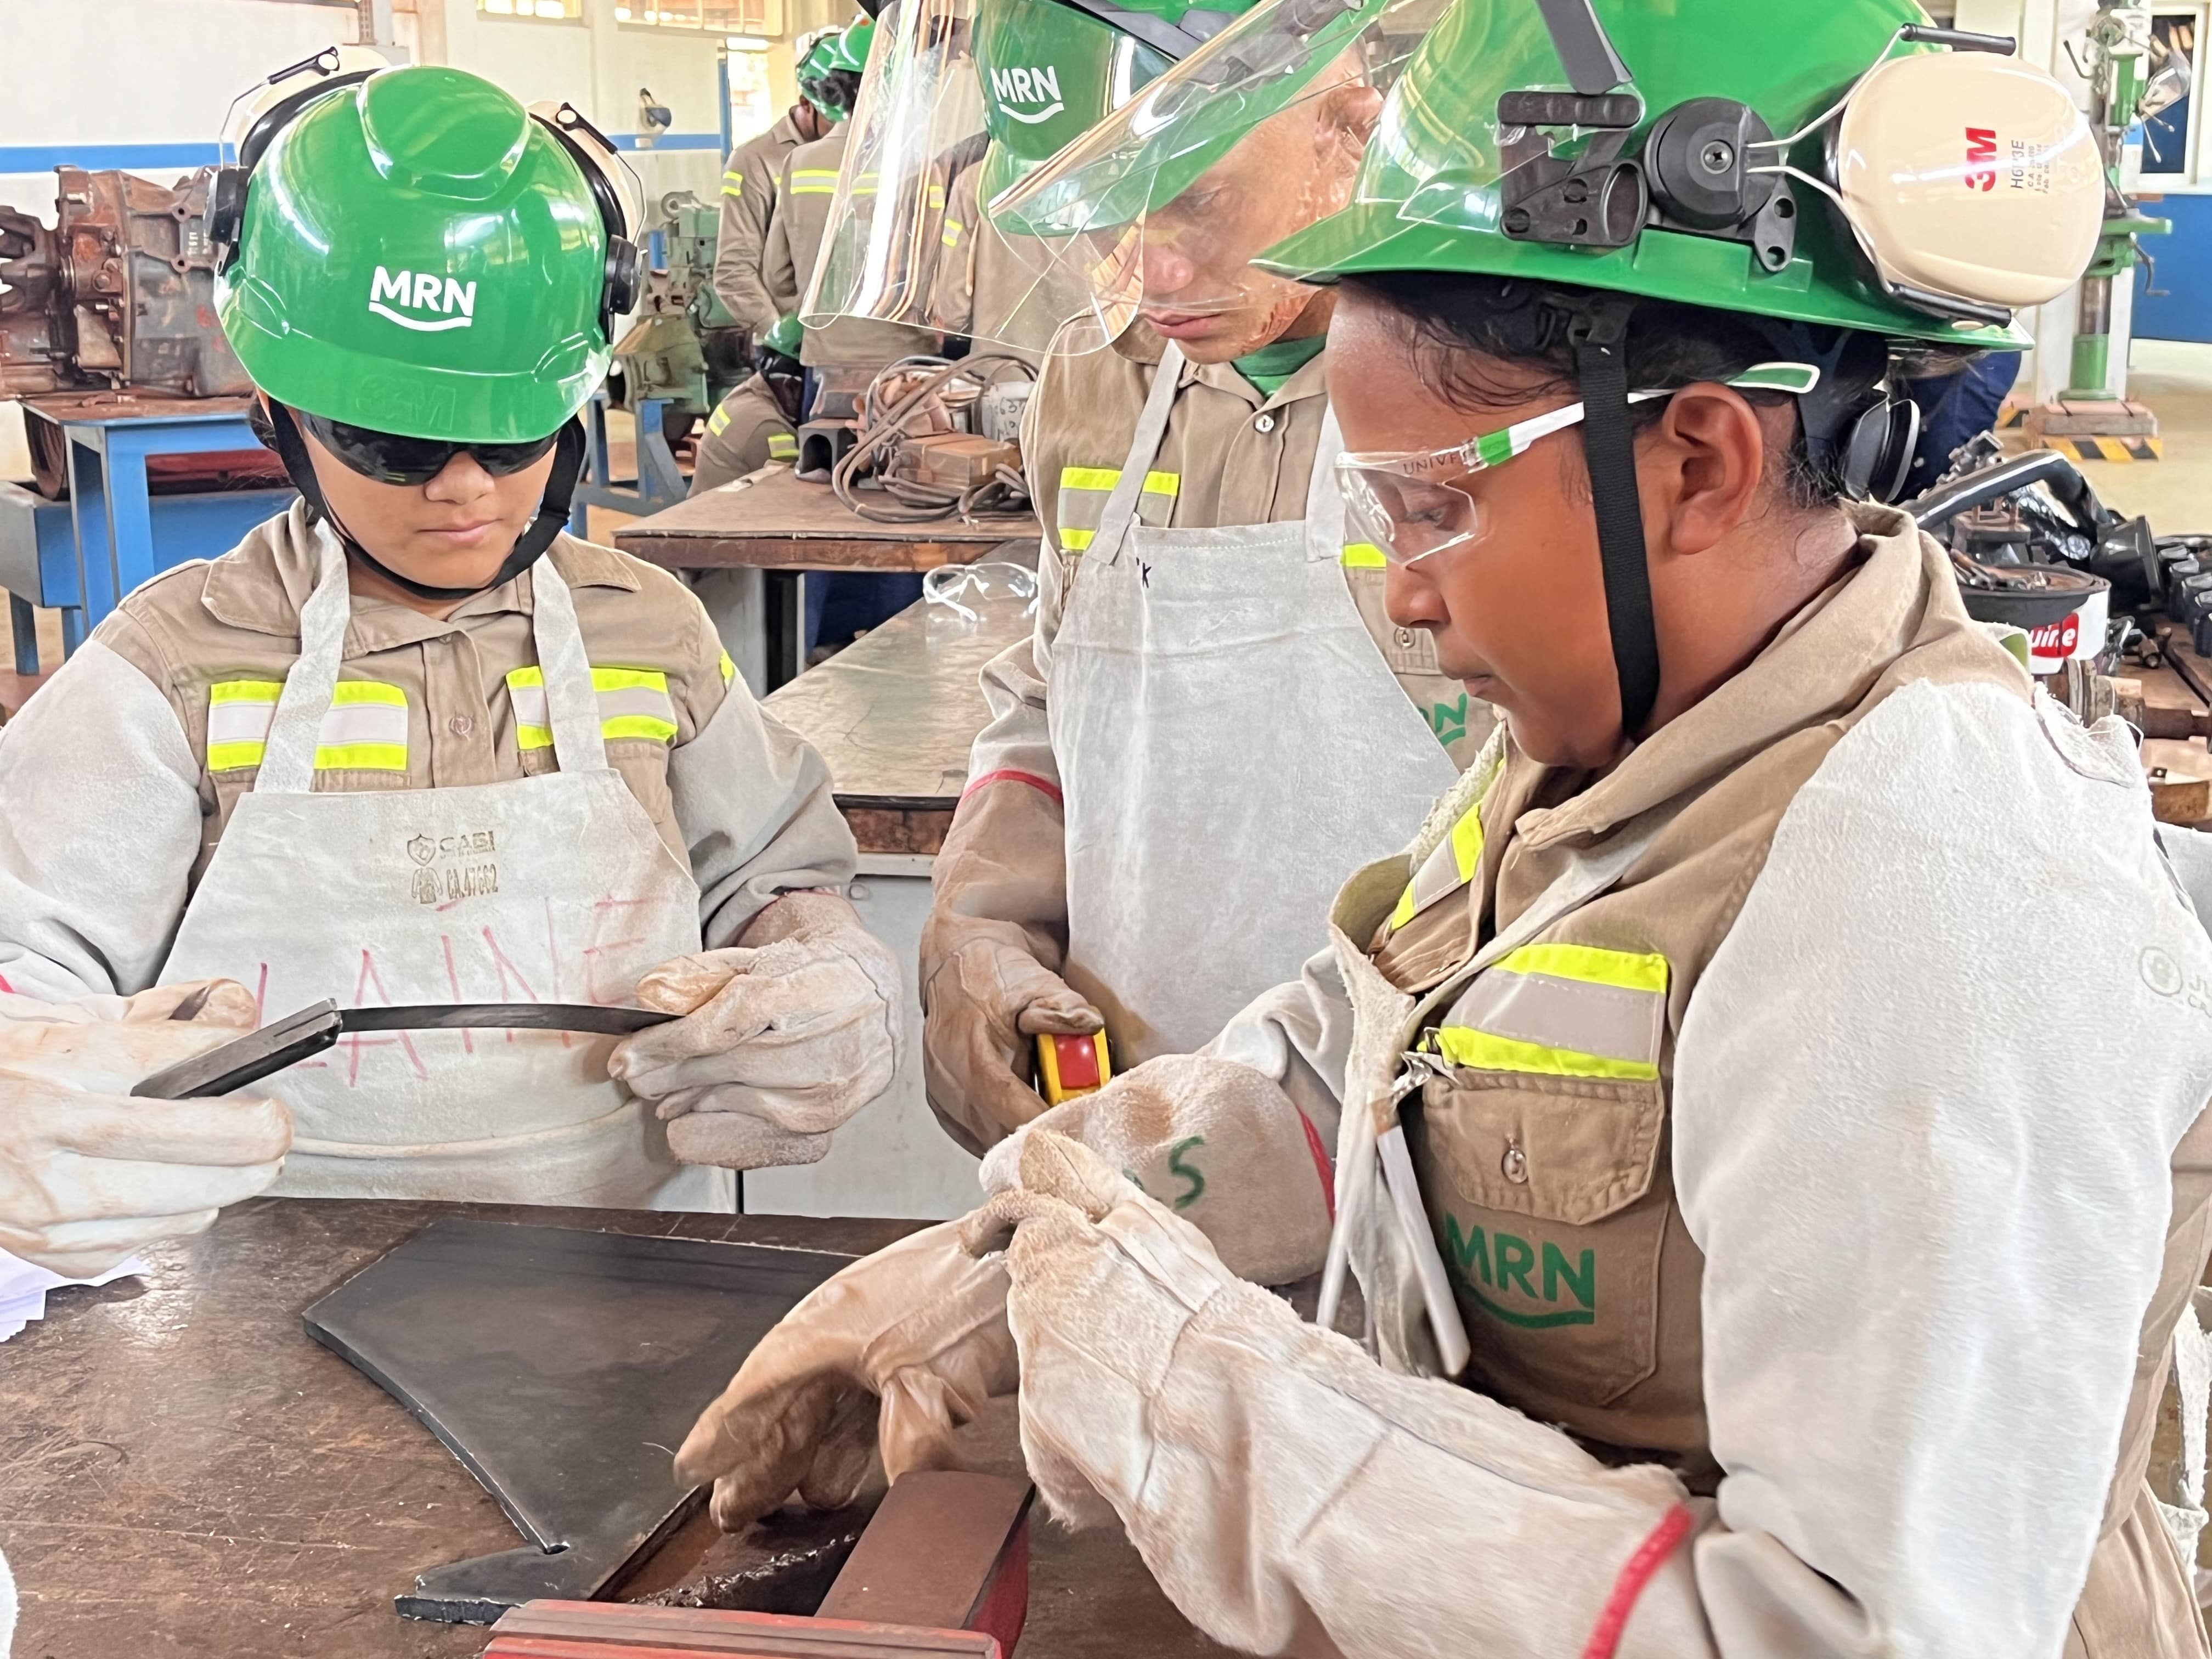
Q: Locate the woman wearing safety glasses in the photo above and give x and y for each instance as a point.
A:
(408, 743)
(1759, 1250)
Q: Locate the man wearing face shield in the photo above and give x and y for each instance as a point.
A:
(1208, 648)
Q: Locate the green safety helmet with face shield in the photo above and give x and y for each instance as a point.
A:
(829, 73)
(412, 264)
(1849, 181)
(996, 86)
(1251, 137)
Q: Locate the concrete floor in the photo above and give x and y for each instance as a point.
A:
(2175, 379)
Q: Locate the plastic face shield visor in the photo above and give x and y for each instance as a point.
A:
(1411, 504)
(1160, 208)
(959, 96)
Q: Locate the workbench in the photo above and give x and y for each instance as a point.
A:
(894, 715)
(184, 1472)
(758, 534)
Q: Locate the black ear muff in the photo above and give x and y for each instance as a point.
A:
(226, 207)
(625, 267)
(1876, 454)
(625, 278)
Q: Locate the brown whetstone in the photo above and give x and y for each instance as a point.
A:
(940, 1547)
(899, 829)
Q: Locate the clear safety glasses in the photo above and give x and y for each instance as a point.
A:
(1411, 504)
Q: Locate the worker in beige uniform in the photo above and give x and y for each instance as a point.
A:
(408, 743)
(757, 423)
(826, 89)
(1209, 646)
(1809, 1261)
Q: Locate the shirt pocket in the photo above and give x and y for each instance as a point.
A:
(1553, 1202)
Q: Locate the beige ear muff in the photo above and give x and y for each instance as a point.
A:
(1970, 176)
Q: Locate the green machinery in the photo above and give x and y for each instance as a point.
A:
(685, 351)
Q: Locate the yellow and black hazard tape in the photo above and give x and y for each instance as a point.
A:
(2108, 449)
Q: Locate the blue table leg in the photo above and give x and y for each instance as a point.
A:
(23, 621)
(72, 628)
(96, 555)
(130, 512)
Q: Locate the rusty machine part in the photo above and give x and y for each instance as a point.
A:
(116, 300)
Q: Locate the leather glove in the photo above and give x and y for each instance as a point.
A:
(1219, 1145)
(989, 998)
(783, 1037)
(88, 1176)
(889, 1355)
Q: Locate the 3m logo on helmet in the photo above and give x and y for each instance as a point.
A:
(1028, 86)
(454, 303)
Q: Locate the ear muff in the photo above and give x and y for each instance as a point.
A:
(625, 272)
(226, 212)
(1876, 452)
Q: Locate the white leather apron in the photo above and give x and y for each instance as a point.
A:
(550, 889)
(1230, 744)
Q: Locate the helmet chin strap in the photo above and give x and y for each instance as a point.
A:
(1598, 333)
(279, 431)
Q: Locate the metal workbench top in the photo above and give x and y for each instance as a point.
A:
(184, 1472)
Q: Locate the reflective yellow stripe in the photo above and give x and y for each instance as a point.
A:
(952, 229)
(1105, 477)
(361, 757)
(638, 726)
(1075, 541)
(525, 691)
(1629, 970)
(1164, 483)
(245, 691)
(1484, 1051)
(1466, 843)
(1364, 555)
(814, 181)
(729, 669)
(239, 712)
(782, 447)
(367, 720)
(733, 184)
(719, 422)
(936, 196)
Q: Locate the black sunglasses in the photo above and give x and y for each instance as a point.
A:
(391, 458)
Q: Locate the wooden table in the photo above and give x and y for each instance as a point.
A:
(769, 527)
(895, 714)
(185, 1474)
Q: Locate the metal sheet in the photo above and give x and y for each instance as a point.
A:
(562, 1368)
(517, 1015)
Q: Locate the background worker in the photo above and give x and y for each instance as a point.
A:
(827, 85)
(1209, 649)
(1702, 1102)
(409, 743)
(758, 422)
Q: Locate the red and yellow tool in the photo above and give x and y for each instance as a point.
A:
(1070, 1066)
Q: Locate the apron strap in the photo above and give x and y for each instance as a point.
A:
(572, 705)
(288, 758)
(1324, 501)
(1151, 427)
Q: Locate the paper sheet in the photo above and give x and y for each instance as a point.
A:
(23, 1287)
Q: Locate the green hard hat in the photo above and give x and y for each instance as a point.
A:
(1050, 71)
(1428, 195)
(841, 52)
(418, 255)
(785, 337)
(848, 47)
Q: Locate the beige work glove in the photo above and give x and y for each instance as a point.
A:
(88, 1176)
(997, 928)
(1277, 1482)
(783, 1037)
(1218, 1144)
(888, 1358)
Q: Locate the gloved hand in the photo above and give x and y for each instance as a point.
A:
(1216, 1142)
(984, 1005)
(88, 1176)
(891, 1355)
(783, 1036)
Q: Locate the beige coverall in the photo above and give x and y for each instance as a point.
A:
(749, 188)
(747, 431)
(795, 236)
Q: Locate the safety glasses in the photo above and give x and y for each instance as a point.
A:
(1412, 504)
(388, 458)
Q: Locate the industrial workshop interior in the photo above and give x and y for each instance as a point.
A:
(1105, 828)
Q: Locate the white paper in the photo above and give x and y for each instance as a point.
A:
(24, 1284)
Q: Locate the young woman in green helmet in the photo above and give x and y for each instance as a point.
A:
(1773, 1153)
(410, 743)
(1208, 648)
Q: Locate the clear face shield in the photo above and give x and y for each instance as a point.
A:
(958, 98)
(1160, 208)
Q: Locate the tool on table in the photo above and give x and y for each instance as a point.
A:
(942, 1569)
(293, 1038)
(1071, 1067)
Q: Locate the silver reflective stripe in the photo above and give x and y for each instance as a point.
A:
(1563, 1013)
(646, 701)
(364, 722)
(529, 705)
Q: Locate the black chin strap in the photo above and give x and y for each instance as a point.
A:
(1598, 334)
(282, 434)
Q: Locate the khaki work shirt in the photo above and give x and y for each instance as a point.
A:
(795, 237)
(747, 430)
(982, 284)
(90, 898)
(749, 187)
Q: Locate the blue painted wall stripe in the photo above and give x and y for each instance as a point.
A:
(142, 158)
